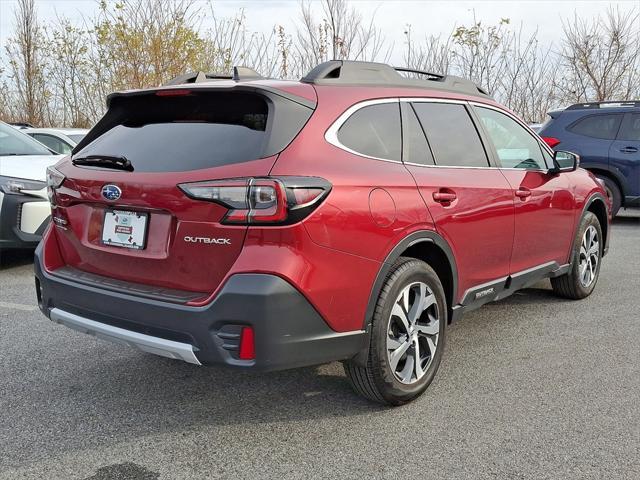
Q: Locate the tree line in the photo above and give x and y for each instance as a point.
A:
(58, 73)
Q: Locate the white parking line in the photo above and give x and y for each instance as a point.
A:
(19, 306)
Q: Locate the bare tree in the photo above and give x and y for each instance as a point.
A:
(432, 55)
(341, 33)
(601, 56)
(26, 64)
(511, 66)
(229, 42)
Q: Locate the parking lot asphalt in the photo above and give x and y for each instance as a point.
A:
(530, 387)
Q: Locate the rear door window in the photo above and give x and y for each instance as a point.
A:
(181, 133)
(630, 130)
(452, 135)
(603, 126)
(373, 131)
(414, 143)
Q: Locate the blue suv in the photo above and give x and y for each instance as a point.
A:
(606, 135)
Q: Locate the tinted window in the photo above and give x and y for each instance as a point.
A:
(515, 146)
(414, 143)
(597, 126)
(160, 134)
(373, 131)
(630, 128)
(451, 134)
(13, 142)
(53, 143)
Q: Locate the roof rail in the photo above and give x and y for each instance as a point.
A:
(605, 104)
(240, 74)
(346, 72)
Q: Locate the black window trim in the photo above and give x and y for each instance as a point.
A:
(404, 106)
(488, 153)
(569, 127)
(331, 135)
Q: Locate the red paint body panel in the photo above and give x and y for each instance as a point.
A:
(544, 220)
(478, 224)
(333, 256)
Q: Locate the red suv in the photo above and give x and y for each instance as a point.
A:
(351, 216)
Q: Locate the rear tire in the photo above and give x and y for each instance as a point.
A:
(407, 336)
(580, 281)
(613, 192)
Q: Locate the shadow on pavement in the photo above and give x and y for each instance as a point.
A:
(15, 258)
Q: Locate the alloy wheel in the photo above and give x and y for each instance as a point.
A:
(589, 256)
(413, 331)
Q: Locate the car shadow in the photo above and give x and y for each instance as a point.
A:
(15, 258)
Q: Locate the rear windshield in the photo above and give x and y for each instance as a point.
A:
(187, 132)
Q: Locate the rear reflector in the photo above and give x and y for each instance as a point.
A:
(247, 344)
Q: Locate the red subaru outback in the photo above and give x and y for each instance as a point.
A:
(350, 216)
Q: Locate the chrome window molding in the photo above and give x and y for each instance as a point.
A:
(331, 135)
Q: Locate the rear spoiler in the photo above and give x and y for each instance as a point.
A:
(293, 106)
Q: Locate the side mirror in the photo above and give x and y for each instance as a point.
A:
(564, 162)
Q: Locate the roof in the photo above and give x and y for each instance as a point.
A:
(64, 131)
(623, 104)
(347, 73)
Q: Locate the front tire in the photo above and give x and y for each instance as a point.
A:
(580, 281)
(613, 192)
(407, 336)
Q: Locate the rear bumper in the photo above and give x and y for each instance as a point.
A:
(23, 220)
(288, 331)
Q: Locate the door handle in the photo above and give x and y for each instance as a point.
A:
(628, 149)
(523, 193)
(444, 197)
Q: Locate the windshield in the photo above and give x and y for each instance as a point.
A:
(14, 142)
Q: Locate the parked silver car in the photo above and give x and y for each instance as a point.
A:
(60, 140)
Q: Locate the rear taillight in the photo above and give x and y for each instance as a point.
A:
(551, 141)
(262, 201)
(54, 181)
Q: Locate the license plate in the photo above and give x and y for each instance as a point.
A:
(122, 228)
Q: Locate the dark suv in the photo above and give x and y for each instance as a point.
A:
(606, 135)
(265, 224)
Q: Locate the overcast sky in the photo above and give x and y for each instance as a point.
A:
(425, 16)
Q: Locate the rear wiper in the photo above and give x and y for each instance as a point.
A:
(104, 161)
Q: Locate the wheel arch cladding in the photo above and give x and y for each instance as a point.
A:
(597, 206)
(614, 177)
(432, 249)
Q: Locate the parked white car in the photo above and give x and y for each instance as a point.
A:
(24, 206)
(60, 140)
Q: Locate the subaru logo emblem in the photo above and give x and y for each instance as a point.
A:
(111, 192)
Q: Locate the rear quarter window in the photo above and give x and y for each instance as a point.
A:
(373, 131)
